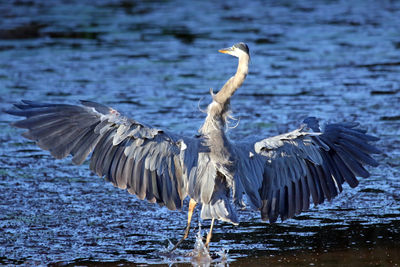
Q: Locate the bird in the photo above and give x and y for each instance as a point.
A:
(280, 175)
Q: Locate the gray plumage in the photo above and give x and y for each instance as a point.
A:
(280, 175)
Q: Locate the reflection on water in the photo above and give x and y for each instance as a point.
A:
(154, 61)
(346, 257)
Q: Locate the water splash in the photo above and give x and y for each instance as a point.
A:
(170, 246)
(223, 259)
(172, 257)
(200, 256)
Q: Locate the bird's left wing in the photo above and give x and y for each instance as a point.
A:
(280, 173)
(148, 162)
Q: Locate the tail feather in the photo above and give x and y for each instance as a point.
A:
(220, 207)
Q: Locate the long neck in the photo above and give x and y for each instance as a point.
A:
(234, 82)
(218, 110)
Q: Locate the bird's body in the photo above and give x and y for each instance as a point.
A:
(220, 159)
(279, 174)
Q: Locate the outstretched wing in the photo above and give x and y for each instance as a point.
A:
(148, 162)
(279, 174)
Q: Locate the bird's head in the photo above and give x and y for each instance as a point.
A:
(237, 50)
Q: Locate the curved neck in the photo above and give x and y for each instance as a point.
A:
(218, 110)
(234, 82)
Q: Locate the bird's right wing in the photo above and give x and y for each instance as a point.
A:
(280, 173)
(147, 161)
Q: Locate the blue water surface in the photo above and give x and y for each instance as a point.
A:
(155, 61)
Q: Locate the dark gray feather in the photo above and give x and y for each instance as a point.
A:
(144, 160)
(305, 163)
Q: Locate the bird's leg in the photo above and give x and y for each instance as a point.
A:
(192, 205)
(209, 233)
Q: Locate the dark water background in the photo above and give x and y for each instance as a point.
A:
(154, 61)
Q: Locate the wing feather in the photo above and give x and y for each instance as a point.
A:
(148, 162)
(298, 202)
(301, 164)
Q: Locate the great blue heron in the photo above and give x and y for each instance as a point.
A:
(278, 174)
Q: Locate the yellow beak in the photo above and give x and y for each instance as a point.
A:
(226, 50)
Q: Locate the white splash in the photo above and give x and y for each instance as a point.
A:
(200, 255)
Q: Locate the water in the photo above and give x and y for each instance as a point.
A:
(155, 61)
